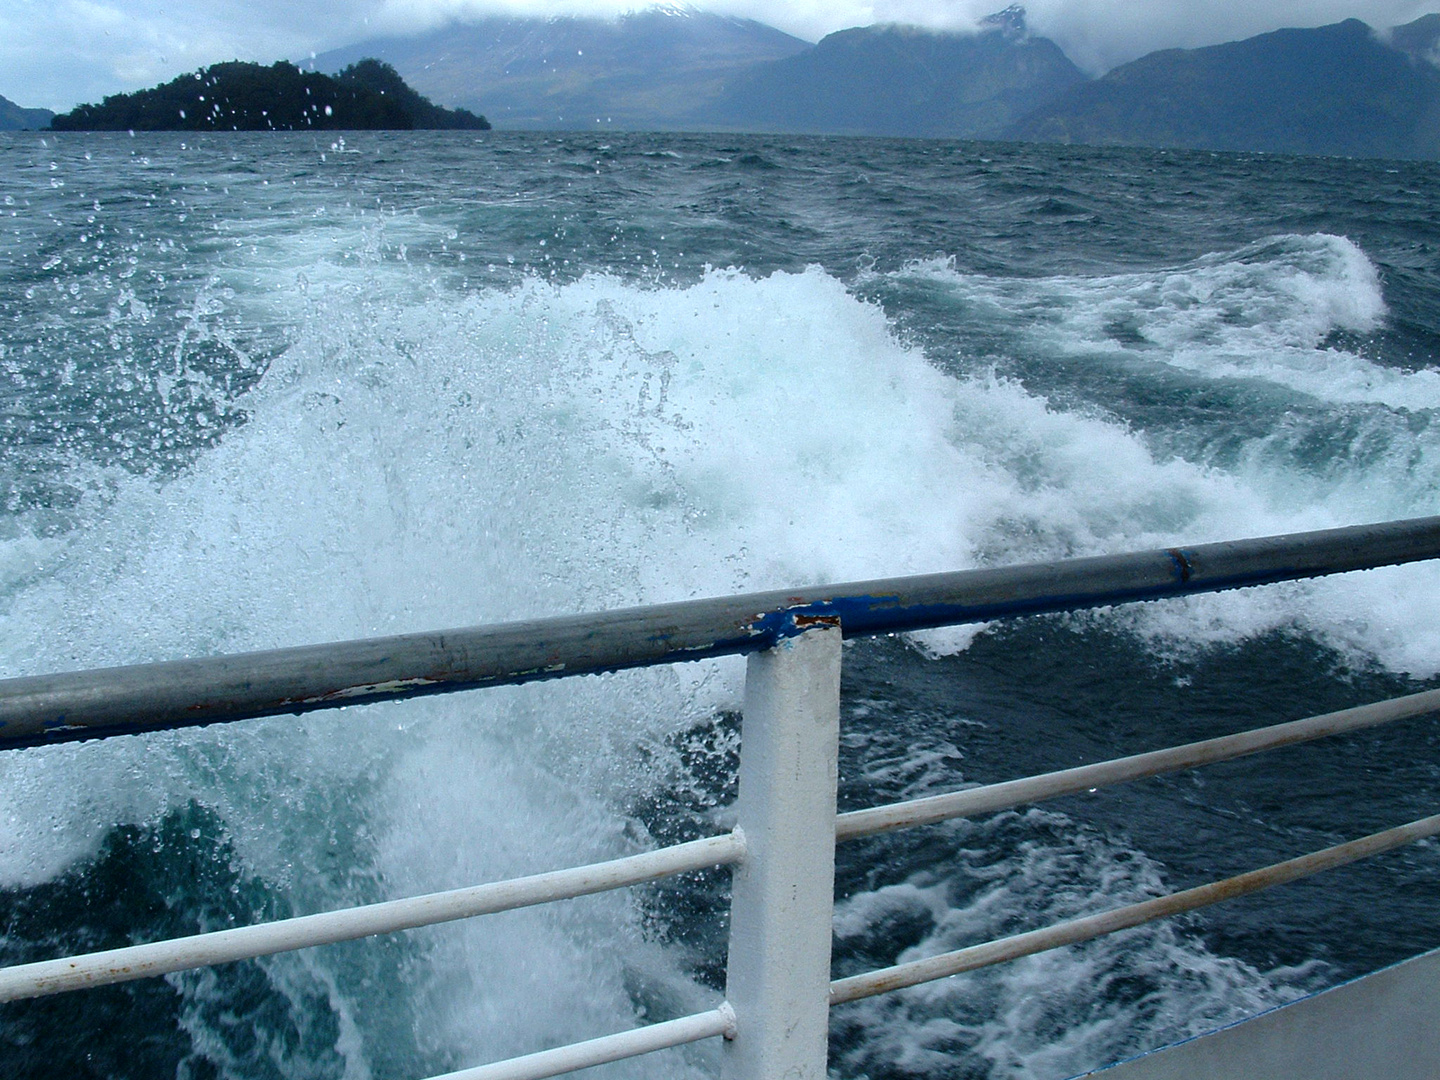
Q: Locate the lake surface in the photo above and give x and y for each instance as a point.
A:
(259, 391)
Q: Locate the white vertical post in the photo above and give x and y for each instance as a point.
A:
(778, 978)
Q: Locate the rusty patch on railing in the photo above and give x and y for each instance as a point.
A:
(809, 622)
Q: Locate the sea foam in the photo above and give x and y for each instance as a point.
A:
(416, 460)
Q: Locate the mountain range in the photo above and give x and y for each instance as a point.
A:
(1339, 89)
(647, 70)
(901, 80)
(1343, 89)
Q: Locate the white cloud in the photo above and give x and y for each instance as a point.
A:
(401, 15)
(956, 15)
(808, 19)
(56, 55)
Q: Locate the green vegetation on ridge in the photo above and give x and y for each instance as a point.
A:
(240, 96)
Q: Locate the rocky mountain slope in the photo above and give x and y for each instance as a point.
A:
(14, 118)
(901, 80)
(1340, 90)
(646, 70)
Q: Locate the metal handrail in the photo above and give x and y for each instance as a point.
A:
(774, 1014)
(1109, 922)
(111, 966)
(972, 802)
(188, 693)
(719, 1022)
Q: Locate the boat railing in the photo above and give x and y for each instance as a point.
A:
(778, 993)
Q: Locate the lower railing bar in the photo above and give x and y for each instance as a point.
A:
(1108, 922)
(626, 1044)
(326, 928)
(973, 802)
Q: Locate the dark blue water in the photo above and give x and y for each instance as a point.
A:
(265, 390)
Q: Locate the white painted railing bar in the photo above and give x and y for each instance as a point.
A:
(1093, 926)
(326, 928)
(625, 1044)
(241, 943)
(973, 802)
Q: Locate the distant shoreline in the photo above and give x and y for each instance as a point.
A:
(237, 96)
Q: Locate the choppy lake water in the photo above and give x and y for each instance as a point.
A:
(268, 390)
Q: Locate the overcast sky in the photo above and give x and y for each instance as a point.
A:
(57, 53)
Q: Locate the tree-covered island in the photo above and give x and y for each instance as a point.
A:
(238, 96)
